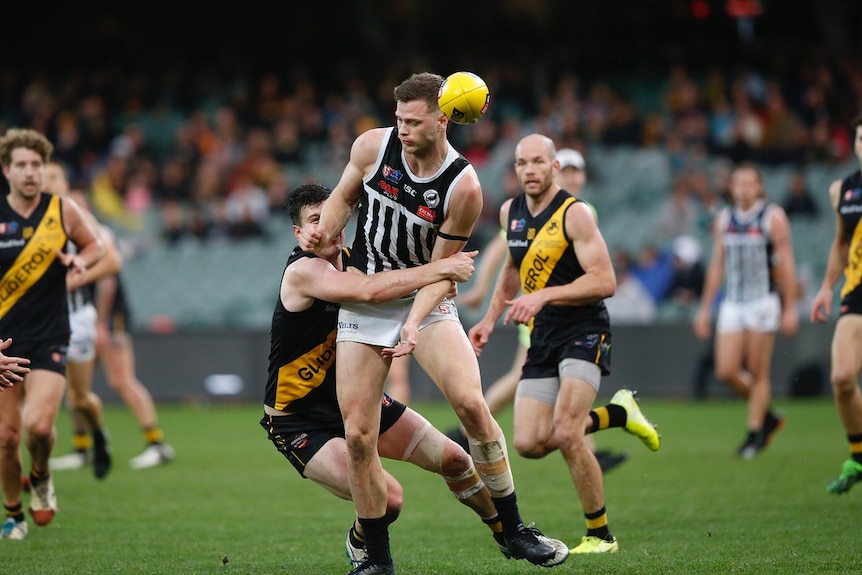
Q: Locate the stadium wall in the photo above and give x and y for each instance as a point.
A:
(660, 360)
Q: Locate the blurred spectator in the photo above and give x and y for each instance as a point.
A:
(631, 303)
(688, 276)
(655, 270)
(798, 201)
(678, 214)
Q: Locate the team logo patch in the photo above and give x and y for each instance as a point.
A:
(8, 228)
(517, 225)
(589, 342)
(854, 194)
(432, 198)
(554, 228)
(28, 232)
(391, 174)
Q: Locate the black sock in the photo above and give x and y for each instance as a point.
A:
(855, 442)
(16, 512)
(602, 531)
(356, 538)
(510, 516)
(376, 532)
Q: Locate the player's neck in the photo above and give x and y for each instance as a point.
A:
(24, 205)
(536, 204)
(427, 164)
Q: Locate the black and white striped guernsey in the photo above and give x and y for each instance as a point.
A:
(400, 213)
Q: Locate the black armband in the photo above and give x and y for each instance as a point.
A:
(455, 238)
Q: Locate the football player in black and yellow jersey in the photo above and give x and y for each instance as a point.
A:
(559, 263)
(846, 254)
(34, 267)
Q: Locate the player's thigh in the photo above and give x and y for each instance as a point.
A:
(412, 438)
(445, 353)
(79, 378)
(43, 398)
(847, 348)
(729, 351)
(328, 468)
(533, 419)
(360, 373)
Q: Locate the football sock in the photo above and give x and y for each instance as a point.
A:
(510, 516)
(494, 524)
(153, 434)
(81, 441)
(15, 511)
(356, 538)
(855, 447)
(376, 533)
(608, 416)
(597, 524)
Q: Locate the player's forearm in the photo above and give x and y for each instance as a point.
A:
(834, 266)
(426, 300)
(334, 217)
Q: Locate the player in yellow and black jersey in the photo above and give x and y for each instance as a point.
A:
(34, 270)
(560, 264)
(846, 253)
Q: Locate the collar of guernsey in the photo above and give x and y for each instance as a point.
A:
(35, 258)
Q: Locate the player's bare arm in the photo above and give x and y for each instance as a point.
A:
(782, 243)
(597, 283)
(713, 279)
(86, 239)
(821, 307)
(316, 278)
(507, 287)
(340, 205)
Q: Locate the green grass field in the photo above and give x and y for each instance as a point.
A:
(691, 508)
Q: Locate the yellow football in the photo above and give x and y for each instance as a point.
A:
(463, 97)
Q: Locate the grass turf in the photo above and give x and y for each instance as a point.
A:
(692, 508)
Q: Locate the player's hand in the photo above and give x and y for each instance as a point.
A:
(12, 369)
(701, 324)
(479, 335)
(462, 265)
(789, 322)
(821, 307)
(524, 308)
(310, 238)
(406, 344)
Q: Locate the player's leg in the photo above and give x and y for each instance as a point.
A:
(846, 365)
(116, 353)
(445, 353)
(759, 348)
(42, 402)
(398, 379)
(361, 373)
(88, 407)
(14, 525)
(579, 383)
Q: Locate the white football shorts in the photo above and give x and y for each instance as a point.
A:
(380, 323)
(82, 344)
(761, 315)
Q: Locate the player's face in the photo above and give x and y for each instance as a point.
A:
(25, 173)
(310, 219)
(418, 128)
(745, 187)
(535, 170)
(572, 179)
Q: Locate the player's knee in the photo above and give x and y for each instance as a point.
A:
(725, 373)
(844, 381)
(394, 501)
(529, 447)
(473, 413)
(455, 460)
(40, 430)
(10, 439)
